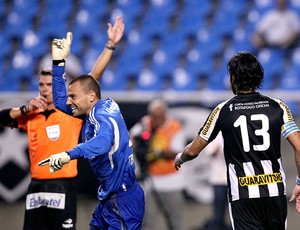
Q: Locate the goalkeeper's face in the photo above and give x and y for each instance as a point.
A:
(79, 101)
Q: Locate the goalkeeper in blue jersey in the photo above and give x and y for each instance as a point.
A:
(106, 145)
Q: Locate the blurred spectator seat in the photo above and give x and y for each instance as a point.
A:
(272, 61)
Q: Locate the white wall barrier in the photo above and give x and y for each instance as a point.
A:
(187, 106)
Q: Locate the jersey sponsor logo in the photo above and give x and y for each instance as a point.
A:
(45, 199)
(131, 159)
(288, 111)
(113, 107)
(68, 224)
(53, 132)
(251, 105)
(210, 121)
(261, 179)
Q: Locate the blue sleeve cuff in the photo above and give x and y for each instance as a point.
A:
(75, 153)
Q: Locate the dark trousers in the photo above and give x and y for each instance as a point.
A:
(219, 206)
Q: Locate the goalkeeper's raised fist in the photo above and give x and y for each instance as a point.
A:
(61, 47)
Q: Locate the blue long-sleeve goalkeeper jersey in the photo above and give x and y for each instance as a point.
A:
(105, 141)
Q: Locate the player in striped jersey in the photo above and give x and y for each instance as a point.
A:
(251, 125)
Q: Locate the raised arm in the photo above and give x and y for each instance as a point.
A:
(114, 34)
(60, 52)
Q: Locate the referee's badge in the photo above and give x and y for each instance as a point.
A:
(53, 132)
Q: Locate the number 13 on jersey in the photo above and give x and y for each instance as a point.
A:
(263, 132)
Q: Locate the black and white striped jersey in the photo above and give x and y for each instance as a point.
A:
(251, 125)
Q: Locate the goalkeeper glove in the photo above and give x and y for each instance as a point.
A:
(56, 161)
(61, 47)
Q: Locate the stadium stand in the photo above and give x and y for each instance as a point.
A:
(160, 30)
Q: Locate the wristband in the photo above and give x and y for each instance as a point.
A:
(181, 161)
(179, 158)
(298, 180)
(24, 109)
(59, 62)
(110, 47)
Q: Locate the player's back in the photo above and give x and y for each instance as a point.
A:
(251, 127)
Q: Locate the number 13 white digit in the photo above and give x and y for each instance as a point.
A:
(242, 123)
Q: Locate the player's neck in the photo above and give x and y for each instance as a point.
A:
(50, 106)
(246, 91)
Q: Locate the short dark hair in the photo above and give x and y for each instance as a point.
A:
(245, 71)
(88, 83)
(46, 71)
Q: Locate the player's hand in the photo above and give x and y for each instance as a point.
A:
(61, 47)
(56, 161)
(178, 161)
(115, 32)
(296, 196)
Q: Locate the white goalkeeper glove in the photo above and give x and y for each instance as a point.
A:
(56, 161)
(61, 47)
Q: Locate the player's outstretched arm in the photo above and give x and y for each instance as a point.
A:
(191, 151)
(114, 34)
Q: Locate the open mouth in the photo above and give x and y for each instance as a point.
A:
(74, 109)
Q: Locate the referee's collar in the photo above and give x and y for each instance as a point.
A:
(47, 113)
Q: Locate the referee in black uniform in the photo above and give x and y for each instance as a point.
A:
(251, 125)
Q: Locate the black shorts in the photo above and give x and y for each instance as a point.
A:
(51, 204)
(259, 213)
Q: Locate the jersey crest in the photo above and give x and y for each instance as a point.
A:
(53, 132)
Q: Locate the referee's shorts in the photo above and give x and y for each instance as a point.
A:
(51, 204)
